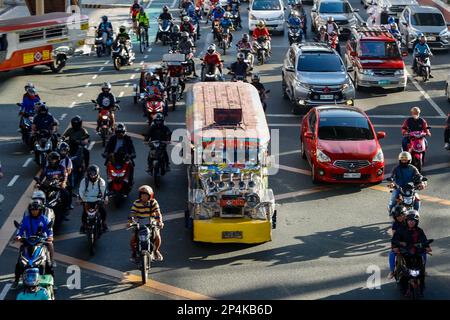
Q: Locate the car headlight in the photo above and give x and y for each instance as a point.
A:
(444, 34)
(252, 200)
(367, 72)
(253, 17)
(399, 72)
(322, 157)
(303, 85)
(379, 157)
(345, 86)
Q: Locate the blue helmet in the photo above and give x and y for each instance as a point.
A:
(31, 277)
(391, 20)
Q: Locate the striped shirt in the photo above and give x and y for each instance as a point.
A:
(147, 210)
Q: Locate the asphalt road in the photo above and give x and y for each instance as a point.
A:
(327, 236)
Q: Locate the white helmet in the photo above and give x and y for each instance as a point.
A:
(186, 19)
(39, 195)
(404, 155)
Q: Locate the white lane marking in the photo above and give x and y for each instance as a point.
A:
(101, 69)
(80, 94)
(132, 76)
(62, 116)
(148, 4)
(106, 62)
(425, 95)
(127, 85)
(288, 152)
(88, 84)
(121, 94)
(173, 3)
(95, 76)
(72, 105)
(91, 145)
(146, 56)
(149, 50)
(142, 63)
(27, 162)
(13, 180)
(5, 291)
(137, 69)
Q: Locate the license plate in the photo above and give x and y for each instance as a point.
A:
(383, 82)
(232, 235)
(431, 38)
(232, 202)
(326, 97)
(352, 175)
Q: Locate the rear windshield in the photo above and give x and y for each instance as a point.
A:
(428, 19)
(334, 7)
(344, 128)
(379, 49)
(266, 5)
(319, 62)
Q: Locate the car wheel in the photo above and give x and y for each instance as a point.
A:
(302, 150)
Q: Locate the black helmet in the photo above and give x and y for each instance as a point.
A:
(176, 28)
(76, 122)
(54, 158)
(105, 19)
(36, 205)
(121, 128)
(63, 146)
(122, 29)
(93, 172)
(398, 211)
(159, 119)
(42, 107)
(165, 9)
(413, 215)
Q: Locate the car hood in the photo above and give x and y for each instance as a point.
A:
(263, 14)
(430, 29)
(322, 78)
(337, 16)
(349, 150)
(376, 63)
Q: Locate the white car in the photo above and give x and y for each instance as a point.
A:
(272, 12)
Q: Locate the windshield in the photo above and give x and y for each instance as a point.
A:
(334, 7)
(344, 128)
(428, 19)
(379, 49)
(320, 62)
(266, 5)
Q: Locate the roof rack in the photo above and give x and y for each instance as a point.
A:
(373, 31)
(312, 44)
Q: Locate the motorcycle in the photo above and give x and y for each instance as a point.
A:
(42, 147)
(225, 40)
(408, 194)
(145, 235)
(174, 91)
(103, 43)
(153, 104)
(164, 31)
(106, 126)
(417, 148)
(263, 97)
(410, 270)
(156, 162)
(26, 122)
(209, 73)
(93, 225)
(249, 57)
(262, 49)
(239, 77)
(423, 66)
(52, 192)
(216, 28)
(294, 34)
(119, 57)
(118, 187)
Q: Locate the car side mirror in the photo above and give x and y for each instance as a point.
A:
(93, 101)
(448, 24)
(118, 101)
(381, 134)
(248, 8)
(309, 135)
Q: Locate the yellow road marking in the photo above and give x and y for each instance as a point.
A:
(296, 170)
(302, 193)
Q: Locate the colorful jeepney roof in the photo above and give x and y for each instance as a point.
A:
(49, 19)
(204, 97)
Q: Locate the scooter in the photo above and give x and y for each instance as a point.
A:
(225, 40)
(417, 148)
(153, 104)
(105, 125)
(294, 34)
(118, 187)
(249, 57)
(93, 225)
(52, 192)
(43, 291)
(26, 122)
(174, 91)
(263, 97)
(120, 58)
(210, 73)
(423, 66)
(164, 31)
(103, 43)
(42, 147)
(262, 49)
(408, 194)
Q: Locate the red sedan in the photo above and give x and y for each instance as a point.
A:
(341, 145)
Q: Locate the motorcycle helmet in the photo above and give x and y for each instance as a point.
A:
(227, 15)
(165, 9)
(142, 10)
(245, 37)
(260, 24)
(93, 172)
(39, 195)
(41, 107)
(240, 56)
(145, 189)
(330, 19)
(159, 119)
(404, 155)
(31, 277)
(413, 215)
(398, 211)
(422, 38)
(36, 205)
(76, 122)
(176, 29)
(211, 48)
(322, 28)
(197, 9)
(54, 159)
(256, 77)
(105, 19)
(185, 35)
(186, 19)
(31, 91)
(120, 128)
(106, 86)
(29, 85)
(122, 29)
(63, 149)
(391, 20)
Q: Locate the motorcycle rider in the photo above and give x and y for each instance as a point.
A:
(334, 42)
(217, 13)
(175, 37)
(196, 16)
(30, 98)
(66, 162)
(93, 189)
(120, 158)
(40, 196)
(31, 281)
(187, 46)
(226, 24)
(399, 222)
(121, 140)
(246, 44)
(409, 235)
(332, 26)
(212, 60)
(33, 222)
(106, 101)
(323, 35)
(187, 26)
(176, 71)
(77, 136)
(240, 68)
(122, 38)
(158, 131)
(144, 209)
(233, 9)
(262, 31)
(164, 16)
(142, 19)
(420, 49)
(447, 133)
(134, 10)
(105, 27)
(44, 120)
(403, 174)
(294, 22)
(413, 123)
(256, 82)
(155, 89)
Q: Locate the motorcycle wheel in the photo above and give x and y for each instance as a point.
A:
(156, 177)
(225, 45)
(59, 63)
(91, 242)
(415, 292)
(99, 52)
(417, 163)
(145, 267)
(117, 64)
(263, 58)
(174, 99)
(425, 74)
(142, 41)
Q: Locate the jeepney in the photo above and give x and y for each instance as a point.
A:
(229, 199)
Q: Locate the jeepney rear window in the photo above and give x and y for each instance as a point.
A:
(31, 35)
(379, 49)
